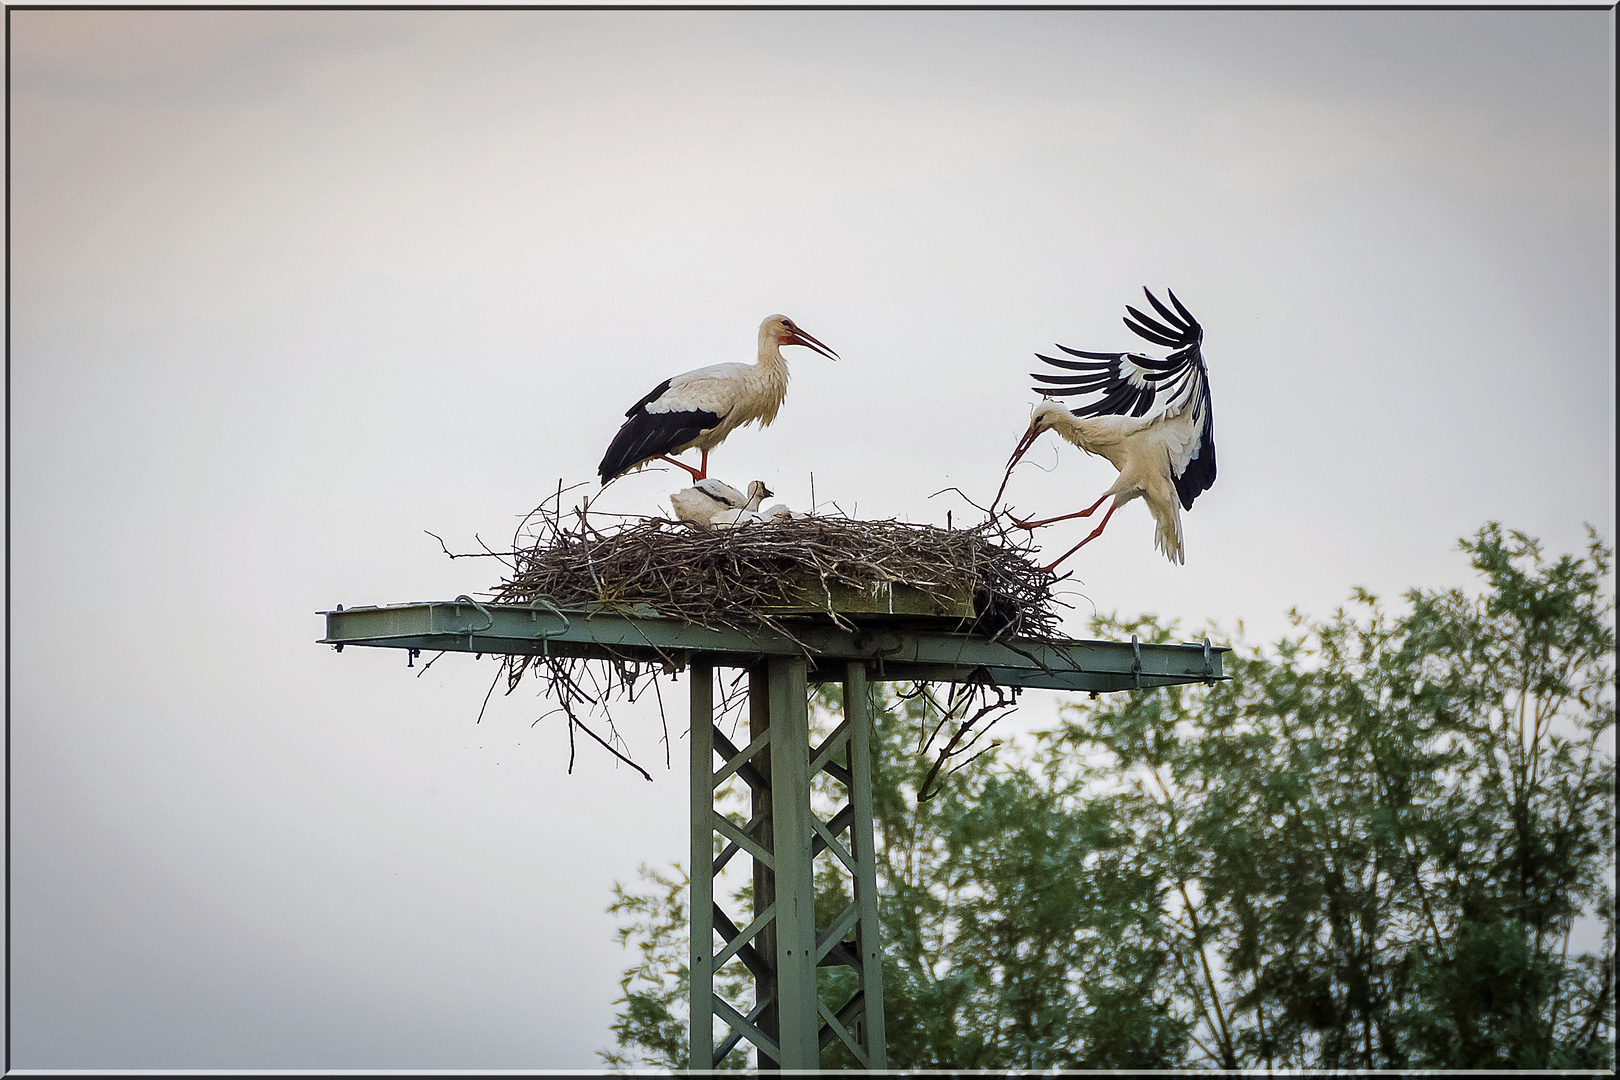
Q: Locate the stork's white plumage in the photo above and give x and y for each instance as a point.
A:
(1142, 451)
(1165, 455)
(708, 499)
(740, 516)
(698, 409)
(779, 512)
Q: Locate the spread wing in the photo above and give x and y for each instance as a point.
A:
(1132, 383)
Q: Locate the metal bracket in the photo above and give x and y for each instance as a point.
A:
(545, 636)
(1136, 664)
(1209, 665)
(879, 643)
(489, 620)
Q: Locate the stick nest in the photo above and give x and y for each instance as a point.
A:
(733, 577)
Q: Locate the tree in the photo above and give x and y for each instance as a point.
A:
(1386, 842)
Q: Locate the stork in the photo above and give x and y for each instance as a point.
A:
(698, 409)
(706, 501)
(1166, 459)
(780, 512)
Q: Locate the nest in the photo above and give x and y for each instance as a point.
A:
(777, 573)
(782, 575)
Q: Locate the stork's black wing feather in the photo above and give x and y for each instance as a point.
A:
(648, 434)
(1199, 475)
(1131, 384)
(1153, 331)
(651, 396)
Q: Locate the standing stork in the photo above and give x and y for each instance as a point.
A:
(699, 409)
(1165, 458)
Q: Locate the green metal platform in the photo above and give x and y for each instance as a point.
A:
(901, 653)
(787, 1024)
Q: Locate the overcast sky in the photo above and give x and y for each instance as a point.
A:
(288, 288)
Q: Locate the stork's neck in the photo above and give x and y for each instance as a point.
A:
(1070, 427)
(770, 379)
(772, 364)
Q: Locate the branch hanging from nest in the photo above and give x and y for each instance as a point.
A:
(963, 739)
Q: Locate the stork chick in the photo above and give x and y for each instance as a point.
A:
(780, 512)
(708, 499)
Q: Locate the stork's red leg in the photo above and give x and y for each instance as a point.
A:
(697, 474)
(1087, 512)
(1094, 534)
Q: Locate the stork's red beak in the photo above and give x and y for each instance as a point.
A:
(1023, 446)
(799, 337)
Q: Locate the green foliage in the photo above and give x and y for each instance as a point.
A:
(1386, 842)
(1018, 932)
(652, 1028)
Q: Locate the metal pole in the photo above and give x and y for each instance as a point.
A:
(798, 1014)
(759, 721)
(700, 1048)
(868, 937)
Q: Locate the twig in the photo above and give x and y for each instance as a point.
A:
(485, 554)
(610, 750)
(983, 509)
(954, 746)
(490, 691)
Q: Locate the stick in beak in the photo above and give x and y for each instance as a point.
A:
(1023, 446)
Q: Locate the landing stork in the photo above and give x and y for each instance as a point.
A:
(1165, 458)
(699, 409)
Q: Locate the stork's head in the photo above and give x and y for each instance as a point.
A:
(758, 492)
(1047, 415)
(780, 330)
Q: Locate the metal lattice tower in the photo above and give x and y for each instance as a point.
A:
(788, 1023)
